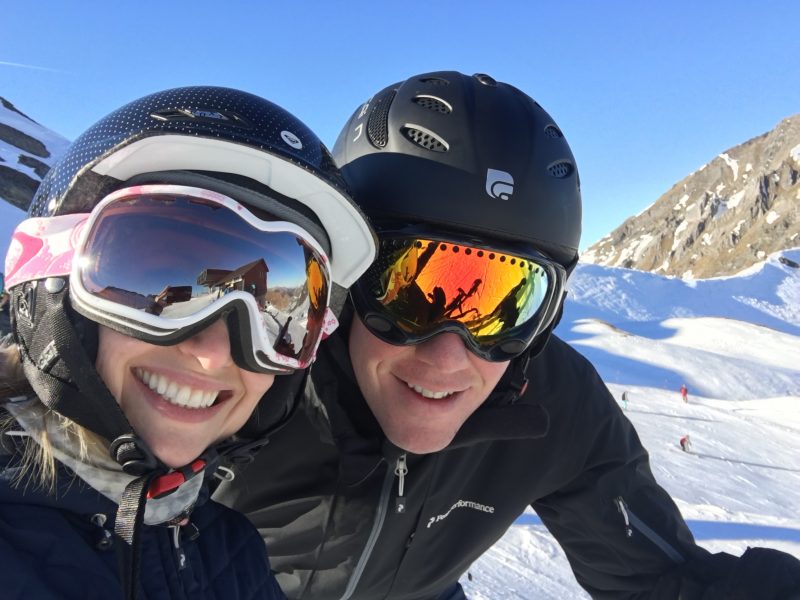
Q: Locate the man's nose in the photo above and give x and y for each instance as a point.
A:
(211, 347)
(445, 351)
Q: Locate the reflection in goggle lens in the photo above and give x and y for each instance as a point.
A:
(421, 283)
(172, 256)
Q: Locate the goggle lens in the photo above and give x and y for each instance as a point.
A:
(421, 283)
(172, 256)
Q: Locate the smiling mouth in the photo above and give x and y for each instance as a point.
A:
(425, 393)
(177, 394)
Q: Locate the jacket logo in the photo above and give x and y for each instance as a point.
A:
(499, 184)
(461, 504)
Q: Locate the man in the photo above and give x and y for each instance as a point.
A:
(445, 407)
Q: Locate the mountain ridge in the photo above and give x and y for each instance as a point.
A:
(727, 215)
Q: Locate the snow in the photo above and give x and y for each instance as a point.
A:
(681, 203)
(732, 163)
(10, 215)
(795, 154)
(772, 216)
(735, 199)
(734, 341)
(678, 230)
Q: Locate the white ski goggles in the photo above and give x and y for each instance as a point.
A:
(162, 262)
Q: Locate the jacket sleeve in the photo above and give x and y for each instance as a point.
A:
(623, 535)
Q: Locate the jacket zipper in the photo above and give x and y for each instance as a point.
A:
(177, 529)
(634, 523)
(176, 543)
(400, 471)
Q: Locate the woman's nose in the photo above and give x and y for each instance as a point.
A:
(211, 347)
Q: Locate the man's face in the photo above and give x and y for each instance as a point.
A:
(422, 394)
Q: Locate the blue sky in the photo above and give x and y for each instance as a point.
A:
(645, 92)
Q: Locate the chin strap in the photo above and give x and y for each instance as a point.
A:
(128, 526)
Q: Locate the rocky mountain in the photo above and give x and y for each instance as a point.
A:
(719, 220)
(27, 150)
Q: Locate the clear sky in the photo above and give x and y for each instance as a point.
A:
(646, 92)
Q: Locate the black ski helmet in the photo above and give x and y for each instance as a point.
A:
(466, 154)
(221, 139)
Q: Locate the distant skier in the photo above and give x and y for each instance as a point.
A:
(625, 400)
(684, 393)
(686, 443)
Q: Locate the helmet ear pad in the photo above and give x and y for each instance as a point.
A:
(58, 348)
(30, 301)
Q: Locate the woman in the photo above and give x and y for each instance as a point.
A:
(181, 255)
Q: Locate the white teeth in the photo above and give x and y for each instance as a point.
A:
(427, 393)
(180, 395)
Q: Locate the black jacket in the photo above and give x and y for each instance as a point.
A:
(324, 493)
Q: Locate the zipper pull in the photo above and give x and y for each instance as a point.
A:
(176, 542)
(401, 470)
(623, 509)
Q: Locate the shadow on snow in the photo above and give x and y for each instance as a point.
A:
(715, 530)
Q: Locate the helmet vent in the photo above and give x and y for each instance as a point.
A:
(434, 81)
(425, 139)
(434, 104)
(378, 123)
(561, 169)
(552, 131)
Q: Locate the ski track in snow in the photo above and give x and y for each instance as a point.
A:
(740, 359)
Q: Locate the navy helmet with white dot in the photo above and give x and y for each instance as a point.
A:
(226, 135)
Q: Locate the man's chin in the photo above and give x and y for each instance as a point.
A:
(421, 444)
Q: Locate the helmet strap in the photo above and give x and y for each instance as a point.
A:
(517, 381)
(128, 526)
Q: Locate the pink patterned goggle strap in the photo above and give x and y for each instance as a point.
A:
(43, 247)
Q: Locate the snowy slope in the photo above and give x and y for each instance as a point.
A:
(11, 156)
(735, 342)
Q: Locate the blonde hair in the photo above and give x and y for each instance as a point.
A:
(38, 464)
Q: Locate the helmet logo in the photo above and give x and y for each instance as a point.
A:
(209, 114)
(291, 139)
(499, 184)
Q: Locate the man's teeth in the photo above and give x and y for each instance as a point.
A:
(427, 393)
(180, 395)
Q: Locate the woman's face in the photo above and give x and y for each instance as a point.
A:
(180, 399)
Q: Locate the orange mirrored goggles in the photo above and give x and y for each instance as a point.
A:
(497, 301)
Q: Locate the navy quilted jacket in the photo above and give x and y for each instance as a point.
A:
(56, 546)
